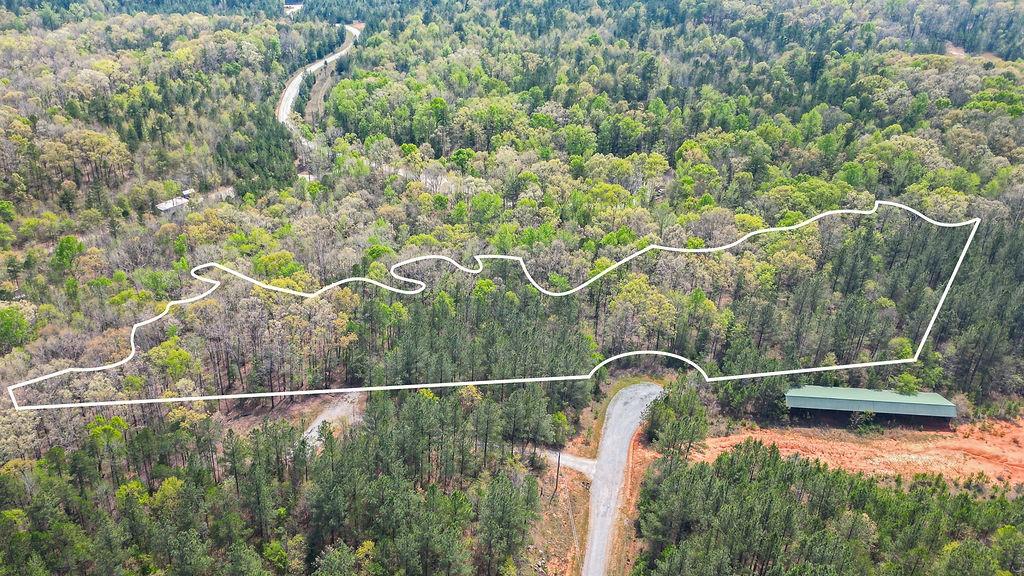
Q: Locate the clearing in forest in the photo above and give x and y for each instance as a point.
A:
(988, 449)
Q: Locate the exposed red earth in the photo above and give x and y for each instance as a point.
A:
(994, 448)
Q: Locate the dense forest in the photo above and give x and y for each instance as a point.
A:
(570, 133)
(59, 11)
(428, 485)
(572, 154)
(752, 511)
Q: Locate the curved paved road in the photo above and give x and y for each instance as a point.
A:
(286, 105)
(291, 89)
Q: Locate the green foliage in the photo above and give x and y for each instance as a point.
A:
(263, 160)
(797, 516)
(14, 328)
(150, 497)
(68, 248)
(907, 383)
(276, 556)
(485, 207)
(160, 283)
(7, 213)
(506, 511)
(336, 561)
(483, 289)
(278, 264)
(175, 361)
(462, 158)
(579, 140)
(678, 422)
(567, 134)
(7, 236)
(864, 423)
(1001, 94)
(180, 245)
(243, 561)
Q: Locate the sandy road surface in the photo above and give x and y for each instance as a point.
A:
(586, 466)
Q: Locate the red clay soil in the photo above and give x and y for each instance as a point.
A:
(995, 449)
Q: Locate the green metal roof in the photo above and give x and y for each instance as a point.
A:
(863, 400)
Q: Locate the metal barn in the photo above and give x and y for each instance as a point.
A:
(862, 400)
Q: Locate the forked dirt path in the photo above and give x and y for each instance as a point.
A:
(995, 449)
(625, 414)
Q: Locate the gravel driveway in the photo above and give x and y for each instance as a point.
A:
(625, 413)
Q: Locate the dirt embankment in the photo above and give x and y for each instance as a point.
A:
(995, 449)
(325, 80)
(627, 545)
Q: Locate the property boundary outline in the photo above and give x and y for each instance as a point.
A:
(419, 286)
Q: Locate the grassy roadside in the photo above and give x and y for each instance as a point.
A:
(559, 537)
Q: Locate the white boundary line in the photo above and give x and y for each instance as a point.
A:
(419, 286)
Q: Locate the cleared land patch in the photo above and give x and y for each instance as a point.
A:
(993, 448)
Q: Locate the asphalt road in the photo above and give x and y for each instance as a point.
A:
(286, 104)
(291, 89)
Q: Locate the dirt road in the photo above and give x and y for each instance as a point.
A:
(586, 466)
(348, 406)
